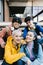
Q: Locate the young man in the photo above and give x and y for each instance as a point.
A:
(30, 26)
(12, 48)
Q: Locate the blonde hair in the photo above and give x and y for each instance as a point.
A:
(17, 32)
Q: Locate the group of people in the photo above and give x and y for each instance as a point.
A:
(22, 48)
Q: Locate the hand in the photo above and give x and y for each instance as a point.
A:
(28, 62)
(7, 29)
(23, 54)
(32, 26)
(23, 42)
(3, 45)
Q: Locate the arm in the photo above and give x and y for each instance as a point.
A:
(2, 32)
(40, 40)
(24, 58)
(2, 43)
(25, 33)
(40, 29)
(11, 58)
(8, 30)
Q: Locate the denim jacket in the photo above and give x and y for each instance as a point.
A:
(39, 58)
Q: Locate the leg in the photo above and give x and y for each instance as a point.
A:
(20, 62)
(4, 63)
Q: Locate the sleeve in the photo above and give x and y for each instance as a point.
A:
(39, 60)
(3, 32)
(11, 58)
(40, 40)
(40, 29)
(8, 30)
(24, 58)
(25, 33)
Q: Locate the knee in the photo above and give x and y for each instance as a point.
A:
(20, 62)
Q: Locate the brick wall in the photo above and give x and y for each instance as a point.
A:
(6, 11)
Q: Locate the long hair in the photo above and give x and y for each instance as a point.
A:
(36, 45)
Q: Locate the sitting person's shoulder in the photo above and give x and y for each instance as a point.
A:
(9, 38)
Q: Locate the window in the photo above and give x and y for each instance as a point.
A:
(40, 17)
(35, 19)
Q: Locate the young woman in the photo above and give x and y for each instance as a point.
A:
(12, 48)
(32, 49)
(31, 26)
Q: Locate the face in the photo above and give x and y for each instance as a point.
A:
(16, 25)
(30, 37)
(30, 24)
(17, 38)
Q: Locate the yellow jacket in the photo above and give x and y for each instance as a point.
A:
(11, 53)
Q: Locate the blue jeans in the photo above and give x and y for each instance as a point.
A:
(19, 62)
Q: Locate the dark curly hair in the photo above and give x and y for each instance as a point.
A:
(27, 19)
(16, 19)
